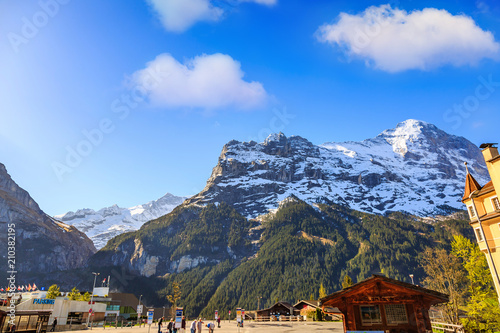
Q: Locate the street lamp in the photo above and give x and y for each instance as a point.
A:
(92, 299)
(163, 316)
(411, 275)
(139, 313)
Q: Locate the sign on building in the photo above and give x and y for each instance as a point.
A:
(43, 301)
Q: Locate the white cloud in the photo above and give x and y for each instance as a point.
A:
(207, 81)
(262, 2)
(395, 40)
(179, 15)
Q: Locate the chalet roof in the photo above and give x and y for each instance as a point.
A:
(285, 304)
(313, 303)
(436, 296)
(471, 185)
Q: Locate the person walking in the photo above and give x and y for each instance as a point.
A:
(54, 324)
(199, 326)
(13, 328)
(193, 326)
(170, 326)
(218, 322)
(159, 324)
(183, 324)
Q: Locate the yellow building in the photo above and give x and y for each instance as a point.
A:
(484, 210)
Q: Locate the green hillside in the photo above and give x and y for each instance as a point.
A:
(286, 256)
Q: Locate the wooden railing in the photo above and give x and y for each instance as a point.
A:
(444, 327)
(280, 318)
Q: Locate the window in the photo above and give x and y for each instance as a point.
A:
(370, 315)
(396, 314)
(496, 203)
(472, 212)
(479, 235)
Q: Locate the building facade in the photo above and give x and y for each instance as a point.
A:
(385, 305)
(483, 206)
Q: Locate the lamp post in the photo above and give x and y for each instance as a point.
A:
(163, 315)
(92, 300)
(411, 275)
(139, 314)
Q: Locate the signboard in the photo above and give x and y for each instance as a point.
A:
(178, 317)
(43, 301)
(151, 312)
(243, 313)
(238, 315)
(216, 314)
(139, 309)
(101, 291)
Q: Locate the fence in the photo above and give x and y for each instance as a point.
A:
(444, 327)
(279, 318)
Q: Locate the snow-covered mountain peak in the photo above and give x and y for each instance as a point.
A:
(414, 167)
(408, 132)
(111, 221)
(274, 137)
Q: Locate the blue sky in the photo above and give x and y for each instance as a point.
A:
(146, 93)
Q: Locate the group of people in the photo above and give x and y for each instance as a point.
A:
(196, 325)
(171, 325)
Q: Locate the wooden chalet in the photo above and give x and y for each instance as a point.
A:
(276, 311)
(383, 304)
(304, 306)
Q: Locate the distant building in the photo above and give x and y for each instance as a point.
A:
(280, 309)
(484, 210)
(306, 306)
(383, 304)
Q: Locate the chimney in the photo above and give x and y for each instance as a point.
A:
(489, 151)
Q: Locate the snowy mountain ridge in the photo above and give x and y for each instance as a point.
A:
(106, 223)
(414, 167)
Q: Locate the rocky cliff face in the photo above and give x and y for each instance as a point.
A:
(187, 237)
(43, 244)
(414, 167)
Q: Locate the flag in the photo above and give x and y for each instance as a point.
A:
(34, 286)
(104, 281)
(8, 289)
(22, 287)
(19, 288)
(1, 289)
(29, 287)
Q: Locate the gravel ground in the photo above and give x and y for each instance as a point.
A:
(230, 327)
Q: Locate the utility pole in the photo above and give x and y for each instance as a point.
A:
(91, 311)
